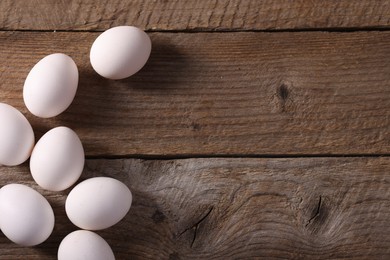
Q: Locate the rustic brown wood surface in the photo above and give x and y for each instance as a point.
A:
(222, 94)
(194, 14)
(272, 85)
(301, 208)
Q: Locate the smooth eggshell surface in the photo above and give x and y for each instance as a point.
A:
(57, 160)
(120, 52)
(16, 136)
(51, 85)
(27, 218)
(98, 203)
(84, 245)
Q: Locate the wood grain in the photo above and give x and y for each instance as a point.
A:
(221, 94)
(261, 90)
(193, 14)
(307, 208)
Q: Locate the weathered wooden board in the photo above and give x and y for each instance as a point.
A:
(213, 94)
(222, 94)
(193, 14)
(307, 208)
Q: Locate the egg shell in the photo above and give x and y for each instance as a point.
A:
(16, 136)
(51, 85)
(120, 52)
(84, 245)
(27, 218)
(98, 203)
(57, 160)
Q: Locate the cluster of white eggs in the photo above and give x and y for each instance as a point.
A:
(57, 159)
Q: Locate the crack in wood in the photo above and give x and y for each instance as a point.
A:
(317, 212)
(195, 226)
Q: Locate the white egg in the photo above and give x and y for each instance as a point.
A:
(84, 245)
(27, 218)
(16, 136)
(98, 203)
(120, 52)
(51, 85)
(57, 160)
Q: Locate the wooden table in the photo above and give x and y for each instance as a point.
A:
(258, 129)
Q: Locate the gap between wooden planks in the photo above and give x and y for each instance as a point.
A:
(301, 208)
(196, 15)
(221, 94)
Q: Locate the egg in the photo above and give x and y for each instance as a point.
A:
(51, 85)
(16, 136)
(98, 203)
(120, 52)
(57, 159)
(84, 245)
(27, 218)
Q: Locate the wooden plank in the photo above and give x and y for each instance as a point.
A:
(301, 208)
(193, 14)
(222, 94)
